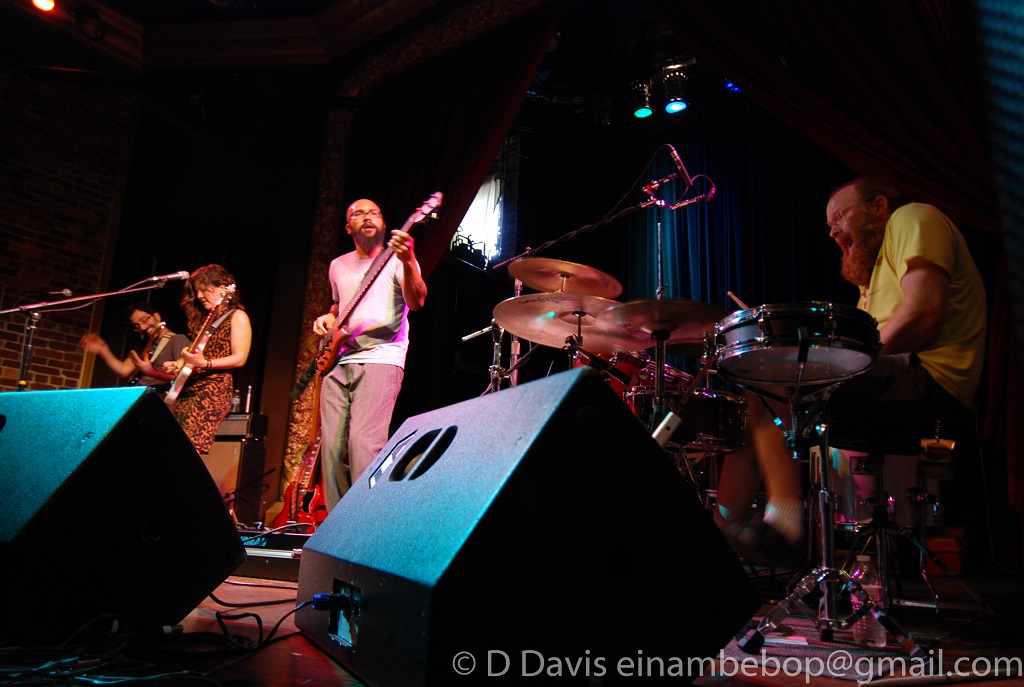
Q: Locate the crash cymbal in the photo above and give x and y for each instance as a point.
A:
(550, 318)
(558, 276)
(674, 320)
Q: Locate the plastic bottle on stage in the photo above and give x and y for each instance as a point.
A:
(867, 631)
(236, 401)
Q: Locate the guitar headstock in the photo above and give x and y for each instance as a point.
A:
(428, 207)
(226, 293)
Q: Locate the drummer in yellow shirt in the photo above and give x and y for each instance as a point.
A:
(918, 280)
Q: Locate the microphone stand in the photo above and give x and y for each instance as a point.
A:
(32, 311)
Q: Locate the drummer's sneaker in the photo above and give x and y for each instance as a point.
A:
(760, 543)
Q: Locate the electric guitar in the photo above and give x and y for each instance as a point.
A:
(331, 344)
(303, 498)
(197, 346)
(157, 333)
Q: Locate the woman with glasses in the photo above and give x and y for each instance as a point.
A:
(160, 345)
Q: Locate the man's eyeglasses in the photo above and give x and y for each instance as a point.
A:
(359, 214)
(141, 322)
(842, 213)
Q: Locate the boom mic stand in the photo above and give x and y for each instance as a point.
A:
(34, 313)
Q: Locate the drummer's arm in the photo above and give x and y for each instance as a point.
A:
(919, 319)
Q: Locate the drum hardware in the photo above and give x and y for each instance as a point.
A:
(660, 322)
(791, 365)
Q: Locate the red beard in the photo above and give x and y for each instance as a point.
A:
(859, 263)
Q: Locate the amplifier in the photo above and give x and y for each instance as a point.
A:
(247, 425)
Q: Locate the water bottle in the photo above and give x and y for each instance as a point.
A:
(868, 631)
(236, 401)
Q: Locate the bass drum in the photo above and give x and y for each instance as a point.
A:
(764, 345)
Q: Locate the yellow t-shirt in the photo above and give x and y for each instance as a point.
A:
(955, 357)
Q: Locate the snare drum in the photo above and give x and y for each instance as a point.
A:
(763, 345)
(711, 422)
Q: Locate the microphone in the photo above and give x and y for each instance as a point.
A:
(690, 201)
(66, 293)
(169, 277)
(683, 174)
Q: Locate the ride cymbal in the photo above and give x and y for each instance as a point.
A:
(558, 276)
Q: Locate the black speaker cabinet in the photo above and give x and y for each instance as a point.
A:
(533, 533)
(107, 510)
(237, 469)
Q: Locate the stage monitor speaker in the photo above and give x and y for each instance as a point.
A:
(533, 533)
(107, 510)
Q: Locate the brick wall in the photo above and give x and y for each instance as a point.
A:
(64, 150)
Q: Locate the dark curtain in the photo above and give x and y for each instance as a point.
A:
(439, 126)
(889, 88)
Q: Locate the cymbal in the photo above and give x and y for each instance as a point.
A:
(558, 276)
(550, 318)
(676, 321)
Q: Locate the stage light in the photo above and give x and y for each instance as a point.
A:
(732, 87)
(44, 5)
(673, 80)
(642, 100)
(89, 23)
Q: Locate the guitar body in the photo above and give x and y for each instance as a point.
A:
(330, 348)
(312, 509)
(197, 346)
(158, 332)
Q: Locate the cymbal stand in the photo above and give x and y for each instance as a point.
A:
(672, 420)
(497, 372)
(808, 414)
(513, 356)
(660, 336)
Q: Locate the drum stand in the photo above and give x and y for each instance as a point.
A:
(808, 414)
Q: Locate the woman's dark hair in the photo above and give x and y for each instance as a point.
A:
(201, 279)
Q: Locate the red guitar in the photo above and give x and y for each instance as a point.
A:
(139, 374)
(304, 502)
(332, 342)
(171, 399)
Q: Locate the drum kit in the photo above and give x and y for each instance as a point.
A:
(795, 354)
(788, 345)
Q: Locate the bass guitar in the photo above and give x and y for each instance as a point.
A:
(304, 502)
(197, 346)
(330, 345)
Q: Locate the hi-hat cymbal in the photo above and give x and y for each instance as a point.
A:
(550, 318)
(558, 276)
(675, 321)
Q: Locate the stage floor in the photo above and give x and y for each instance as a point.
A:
(218, 645)
(965, 634)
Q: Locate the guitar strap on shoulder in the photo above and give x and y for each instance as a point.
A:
(160, 345)
(368, 276)
(220, 320)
